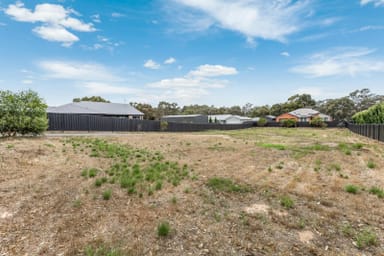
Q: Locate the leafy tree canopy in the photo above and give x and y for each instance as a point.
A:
(92, 98)
(22, 113)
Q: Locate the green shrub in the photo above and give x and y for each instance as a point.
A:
(318, 122)
(373, 115)
(22, 113)
(289, 123)
(371, 164)
(287, 202)
(107, 194)
(353, 189)
(163, 229)
(163, 125)
(262, 122)
(377, 191)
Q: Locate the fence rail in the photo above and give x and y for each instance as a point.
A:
(77, 122)
(373, 131)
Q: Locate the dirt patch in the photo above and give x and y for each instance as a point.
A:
(47, 206)
(257, 208)
(306, 236)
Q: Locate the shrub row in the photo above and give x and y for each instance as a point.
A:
(373, 115)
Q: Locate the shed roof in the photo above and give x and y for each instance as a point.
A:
(89, 107)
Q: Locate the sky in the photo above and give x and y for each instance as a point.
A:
(214, 52)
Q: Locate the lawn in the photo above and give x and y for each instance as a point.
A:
(260, 191)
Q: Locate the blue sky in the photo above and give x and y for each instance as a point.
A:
(219, 52)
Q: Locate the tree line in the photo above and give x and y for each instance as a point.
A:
(342, 108)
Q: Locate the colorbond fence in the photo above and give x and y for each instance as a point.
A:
(373, 131)
(332, 124)
(76, 122)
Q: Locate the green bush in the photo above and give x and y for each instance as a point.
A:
(163, 229)
(287, 202)
(262, 122)
(288, 123)
(373, 115)
(22, 113)
(318, 122)
(353, 189)
(163, 125)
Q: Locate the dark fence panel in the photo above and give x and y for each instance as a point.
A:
(373, 131)
(73, 122)
(77, 122)
(332, 124)
(183, 127)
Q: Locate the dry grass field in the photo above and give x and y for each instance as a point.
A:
(263, 191)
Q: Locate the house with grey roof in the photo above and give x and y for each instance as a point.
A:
(229, 119)
(303, 115)
(99, 109)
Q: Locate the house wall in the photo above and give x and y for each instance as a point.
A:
(286, 116)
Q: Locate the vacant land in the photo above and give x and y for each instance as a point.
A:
(264, 191)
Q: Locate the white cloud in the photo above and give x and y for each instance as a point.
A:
(96, 18)
(330, 21)
(106, 88)
(117, 15)
(103, 43)
(375, 2)
(78, 71)
(367, 28)
(151, 64)
(188, 82)
(26, 81)
(56, 34)
(194, 84)
(93, 77)
(2, 24)
(271, 20)
(213, 70)
(285, 54)
(55, 20)
(170, 60)
(340, 61)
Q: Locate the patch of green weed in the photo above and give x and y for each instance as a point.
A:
(107, 194)
(371, 164)
(350, 188)
(163, 229)
(226, 185)
(366, 238)
(377, 191)
(287, 202)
